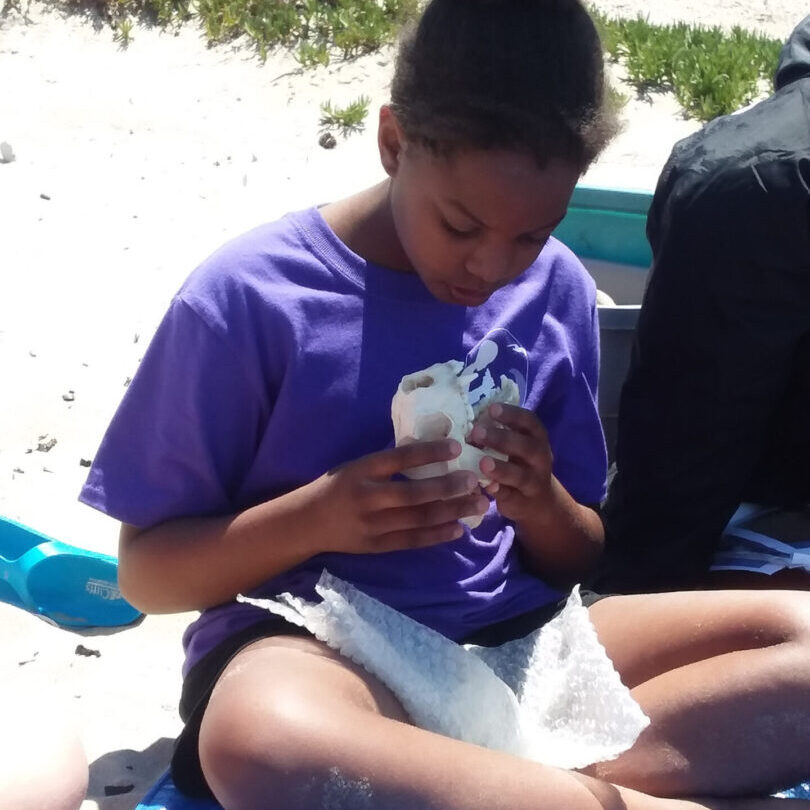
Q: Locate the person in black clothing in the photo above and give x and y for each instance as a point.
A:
(715, 409)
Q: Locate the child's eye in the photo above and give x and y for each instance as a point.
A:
(461, 234)
(534, 241)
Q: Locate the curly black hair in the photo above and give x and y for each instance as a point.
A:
(523, 74)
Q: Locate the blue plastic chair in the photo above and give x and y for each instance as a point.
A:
(64, 584)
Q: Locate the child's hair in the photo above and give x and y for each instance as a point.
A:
(524, 74)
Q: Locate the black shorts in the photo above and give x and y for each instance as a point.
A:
(202, 677)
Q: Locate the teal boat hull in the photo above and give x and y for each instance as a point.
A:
(607, 230)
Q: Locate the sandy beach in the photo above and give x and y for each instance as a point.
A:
(130, 166)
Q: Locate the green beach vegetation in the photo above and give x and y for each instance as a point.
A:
(711, 71)
(346, 120)
(315, 30)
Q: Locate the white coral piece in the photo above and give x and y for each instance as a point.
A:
(435, 404)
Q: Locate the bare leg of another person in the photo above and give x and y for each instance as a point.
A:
(724, 677)
(43, 765)
(293, 725)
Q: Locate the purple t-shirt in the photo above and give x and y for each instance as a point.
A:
(277, 360)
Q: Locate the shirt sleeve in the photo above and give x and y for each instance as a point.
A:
(185, 433)
(573, 423)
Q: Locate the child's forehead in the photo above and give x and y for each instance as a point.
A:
(487, 184)
(469, 165)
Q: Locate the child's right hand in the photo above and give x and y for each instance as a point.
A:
(191, 563)
(361, 510)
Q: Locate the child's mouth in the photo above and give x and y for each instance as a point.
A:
(468, 297)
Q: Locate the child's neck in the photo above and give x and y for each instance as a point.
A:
(364, 224)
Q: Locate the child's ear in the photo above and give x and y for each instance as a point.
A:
(390, 139)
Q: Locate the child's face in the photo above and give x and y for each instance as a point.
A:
(474, 222)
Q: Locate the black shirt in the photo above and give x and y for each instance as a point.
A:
(716, 406)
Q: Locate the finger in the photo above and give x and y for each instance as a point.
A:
(510, 443)
(393, 494)
(485, 421)
(419, 538)
(506, 499)
(519, 419)
(527, 481)
(385, 463)
(430, 514)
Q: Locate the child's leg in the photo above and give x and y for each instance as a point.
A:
(293, 725)
(725, 679)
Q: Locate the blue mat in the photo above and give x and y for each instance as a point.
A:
(165, 796)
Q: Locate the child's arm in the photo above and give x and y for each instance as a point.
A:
(561, 538)
(196, 562)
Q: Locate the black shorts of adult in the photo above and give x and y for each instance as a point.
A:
(202, 677)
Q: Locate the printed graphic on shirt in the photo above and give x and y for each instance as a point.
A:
(497, 354)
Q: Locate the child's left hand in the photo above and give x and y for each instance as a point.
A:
(523, 482)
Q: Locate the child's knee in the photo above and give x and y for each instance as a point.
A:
(794, 614)
(269, 753)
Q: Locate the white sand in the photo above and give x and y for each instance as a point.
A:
(151, 157)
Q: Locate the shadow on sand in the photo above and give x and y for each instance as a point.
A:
(119, 779)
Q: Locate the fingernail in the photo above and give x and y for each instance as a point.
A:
(481, 505)
(495, 410)
(487, 464)
(478, 433)
(454, 446)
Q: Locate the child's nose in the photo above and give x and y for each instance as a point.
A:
(491, 262)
